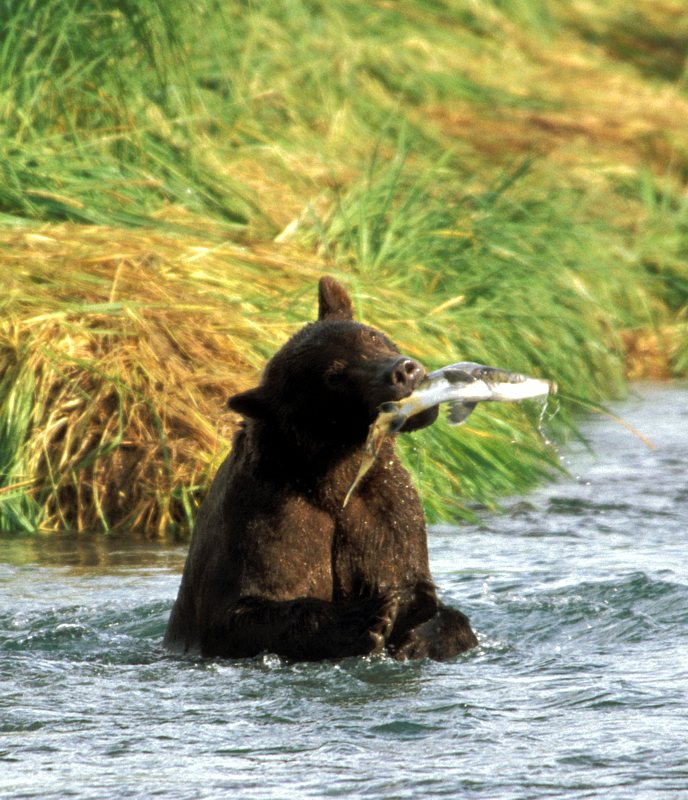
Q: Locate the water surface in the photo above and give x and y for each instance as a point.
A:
(579, 688)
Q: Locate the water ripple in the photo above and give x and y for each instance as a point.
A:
(578, 689)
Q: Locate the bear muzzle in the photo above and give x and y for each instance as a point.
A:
(405, 375)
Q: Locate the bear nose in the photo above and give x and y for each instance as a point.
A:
(406, 373)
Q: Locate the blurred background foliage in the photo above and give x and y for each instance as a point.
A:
(494, 180)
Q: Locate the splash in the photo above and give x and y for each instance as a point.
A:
(546, 415)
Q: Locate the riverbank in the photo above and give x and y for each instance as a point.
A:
(490, 183)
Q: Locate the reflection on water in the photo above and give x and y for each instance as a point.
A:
(89, 553)
(579, 688)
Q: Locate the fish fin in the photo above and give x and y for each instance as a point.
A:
(379, 429)
(458, 412)
(458, 376)
(466, 367)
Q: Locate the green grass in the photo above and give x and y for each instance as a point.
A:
(19, 511)
(94, 99)
(499, 277)
(500, 181)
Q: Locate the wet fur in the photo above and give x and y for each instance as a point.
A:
(276, 564)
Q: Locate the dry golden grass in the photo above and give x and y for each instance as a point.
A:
(650, 353)
(590, 117)
(133, 341)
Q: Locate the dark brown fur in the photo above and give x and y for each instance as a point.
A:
(276, 564)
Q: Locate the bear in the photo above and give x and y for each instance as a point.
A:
(276, 564)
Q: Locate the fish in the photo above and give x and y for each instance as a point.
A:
(461, 386)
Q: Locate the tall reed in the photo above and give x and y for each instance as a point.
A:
(496, 181)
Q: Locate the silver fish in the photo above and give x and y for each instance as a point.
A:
(462, 386)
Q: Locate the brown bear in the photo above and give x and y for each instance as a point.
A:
(276, 563)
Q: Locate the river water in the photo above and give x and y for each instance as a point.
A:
(579, 688)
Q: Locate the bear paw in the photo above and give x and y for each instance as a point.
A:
(380, 632)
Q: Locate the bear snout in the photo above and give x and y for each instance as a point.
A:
(406, 374)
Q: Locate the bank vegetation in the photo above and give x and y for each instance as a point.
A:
(493, 180)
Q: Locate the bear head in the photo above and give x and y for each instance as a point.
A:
(325, 385)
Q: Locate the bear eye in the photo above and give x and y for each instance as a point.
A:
(370, 337)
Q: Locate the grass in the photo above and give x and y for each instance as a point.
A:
(496, 181)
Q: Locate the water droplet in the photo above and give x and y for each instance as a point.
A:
(546, 417)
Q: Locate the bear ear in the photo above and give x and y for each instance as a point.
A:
(251, 403)
(333, 300)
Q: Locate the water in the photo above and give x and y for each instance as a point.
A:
(578, 689)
